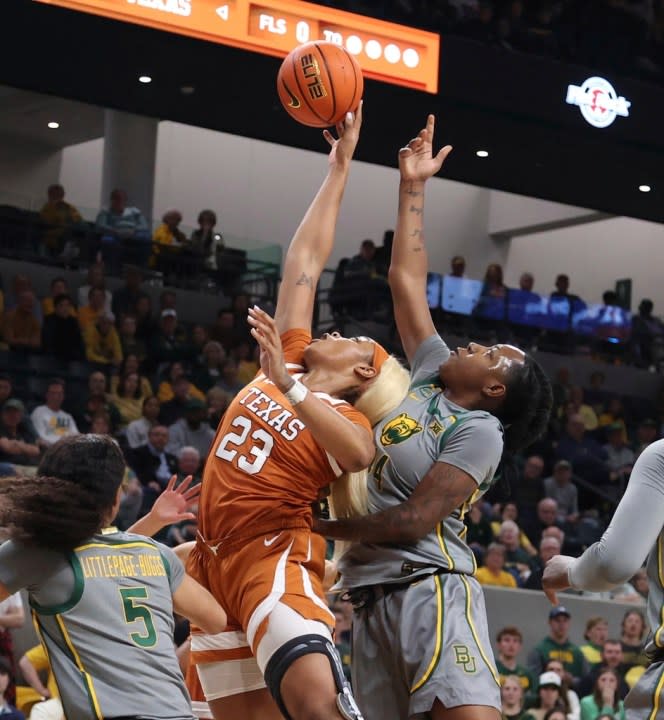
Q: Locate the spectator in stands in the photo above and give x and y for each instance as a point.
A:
(647, 335)
(247, 356)
(145, 324)
(457, 266)
(596, 634)
(96, 279)
(168, 300)
(363, 265)
(130, 343)
(217, 402)
(587, 456)
(570, 698)
(614, 414)
(549, 547)
(561, 488)
(576, 405)
(511, 696)
(205, 241)
(50, 421)
(58, 287)
(175, 408)
(168, 234)
(620, 457)
(562, 289)
(562, 387)
(526, 282)
(101, 423)
(102, 344)
(546, 516)
(510, 511)
(491, 306)
(529, 489)
(229, 381)
(32, 665)
(189, 463)
(153, 465)
(610, 656)
(192, 429)
(200, 337)
(604, 699)
(21, 283)
(646, 434)
(509, 643)
(223, 331)
(479, 535)
(21, 328)
(60, 333)
(493, 571)
(128, 398)
(138, 430)
(166, 389)
(121, 221)
(549, 697)
(8, 710)
(126, 298)
(517, 560)
(211, 372)
(60, 216)
(557, 646)
(633, 632)
(96, 306)
(94, 402)
(130, 364)
(18, 443)
(170, 344)
(596, 395)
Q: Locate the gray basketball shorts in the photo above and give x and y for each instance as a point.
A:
(645, 701)
(423, 642)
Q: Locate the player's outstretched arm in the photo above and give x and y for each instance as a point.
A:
(197, 604)
(409, 264)
(312, 243)
(169, 508)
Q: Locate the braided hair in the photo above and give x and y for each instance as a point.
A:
(524, 413)
(69, 498)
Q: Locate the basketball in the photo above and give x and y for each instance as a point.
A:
(319, 82)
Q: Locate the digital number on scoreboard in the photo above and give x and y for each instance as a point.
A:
(386, 51)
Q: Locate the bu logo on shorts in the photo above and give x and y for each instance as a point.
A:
(463, 657)
(399, 429)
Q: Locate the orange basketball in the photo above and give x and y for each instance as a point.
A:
(319, 82)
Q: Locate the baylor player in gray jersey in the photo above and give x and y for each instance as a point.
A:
(636, 531)
(103, 601)
(420, 643)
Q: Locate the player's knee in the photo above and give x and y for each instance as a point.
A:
(299, 678)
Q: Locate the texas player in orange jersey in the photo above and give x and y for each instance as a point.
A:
(285, 437)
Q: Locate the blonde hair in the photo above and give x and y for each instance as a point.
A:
(349, 495)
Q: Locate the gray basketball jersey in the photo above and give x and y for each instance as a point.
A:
(105, 615)
(426, 428)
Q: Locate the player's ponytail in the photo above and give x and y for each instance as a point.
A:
(524, 412)
(71, 496)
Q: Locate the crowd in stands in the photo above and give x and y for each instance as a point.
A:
(625, 36)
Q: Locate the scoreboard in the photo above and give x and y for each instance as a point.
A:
(386, 51)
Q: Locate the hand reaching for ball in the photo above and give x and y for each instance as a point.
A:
(348, 131)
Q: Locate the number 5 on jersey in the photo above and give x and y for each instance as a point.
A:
(260, 449)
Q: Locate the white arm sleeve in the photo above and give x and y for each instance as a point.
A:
(633, 531)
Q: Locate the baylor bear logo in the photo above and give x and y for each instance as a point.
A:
(399, 429)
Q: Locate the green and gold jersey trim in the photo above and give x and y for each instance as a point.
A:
(74, 598)
(473, 630)
(440, 612)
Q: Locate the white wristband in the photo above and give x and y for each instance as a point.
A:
(296, 394)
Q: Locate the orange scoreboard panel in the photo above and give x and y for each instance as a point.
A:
(386, 51)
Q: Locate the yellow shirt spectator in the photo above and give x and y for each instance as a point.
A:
(165, 392)
(102, 344)
(502, 578)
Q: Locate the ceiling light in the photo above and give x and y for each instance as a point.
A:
(187, 89)
(482, 153)
(145, 79)
(54, 125)
(645, 188)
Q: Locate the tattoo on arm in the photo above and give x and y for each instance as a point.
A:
(412, 192)
(307, 280)
(416, 210)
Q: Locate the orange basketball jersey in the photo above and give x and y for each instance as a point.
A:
(265, 468)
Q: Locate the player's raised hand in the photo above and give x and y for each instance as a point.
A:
(348, 131)
(172, 506)
(264, 330)
(416, 160)
(556, 576)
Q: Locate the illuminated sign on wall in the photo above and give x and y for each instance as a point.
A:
(598, 101)
(386, 51)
